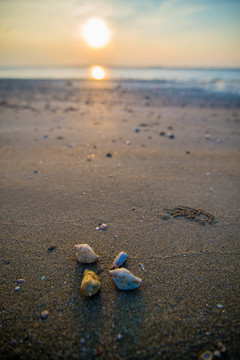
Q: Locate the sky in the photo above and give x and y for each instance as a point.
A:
(196, 33)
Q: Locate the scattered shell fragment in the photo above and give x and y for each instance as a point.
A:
(90, 283)
(142, 267)
(206, 355)
(85, 253)
(20, 281)
(44, 314)
(217, 354)
(170, 135)
(17, 288)
(119, 260)
(221, 347)
(124, 279)
(103, 226)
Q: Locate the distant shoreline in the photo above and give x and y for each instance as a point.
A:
(197, 68)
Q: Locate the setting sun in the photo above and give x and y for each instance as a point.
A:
(96, 33)
(98, 73)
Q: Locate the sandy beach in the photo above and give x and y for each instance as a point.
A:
(78, 153)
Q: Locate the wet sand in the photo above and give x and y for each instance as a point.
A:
(165, 149)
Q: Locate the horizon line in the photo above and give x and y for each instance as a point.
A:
(189, 67)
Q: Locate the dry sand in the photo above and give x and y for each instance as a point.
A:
(57, 185)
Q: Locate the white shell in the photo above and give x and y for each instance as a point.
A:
(85, 253)
(124, 279)
(119, 260)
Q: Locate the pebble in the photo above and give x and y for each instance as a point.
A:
(142, 267)
(115, 237)
(208, 173)
(17, 288)
(128, 142)
(44, 314)
(119, 337)
(20, 281)
(162, 133)
(109, 155)
(43, 278)
(220, 306)
(206, 355)
(97, 228)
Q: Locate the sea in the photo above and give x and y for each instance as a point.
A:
(213, 80)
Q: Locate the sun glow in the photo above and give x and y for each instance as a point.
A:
(96, 33)
(98, 73)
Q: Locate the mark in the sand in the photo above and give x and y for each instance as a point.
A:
(51, 248)
(200, 216)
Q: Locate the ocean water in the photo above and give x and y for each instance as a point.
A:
(210, 80)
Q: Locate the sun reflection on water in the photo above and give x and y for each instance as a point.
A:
(98, 72)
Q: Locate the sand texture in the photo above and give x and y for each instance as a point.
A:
(76, 154)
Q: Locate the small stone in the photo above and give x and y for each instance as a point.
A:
(133, 208)
(97, 228)
(187, 152)
(35, 172)
(162, 133)
(103, 226)
(142, 267)
(109, 155)
(20, 281)
(119, 337)
(44, 136)
(17, 288)
(82, 340)
(220, 306)
(43, 277)
(206, 355)
(115, 237)
(208, 173)
(44, 314)
(128, 142)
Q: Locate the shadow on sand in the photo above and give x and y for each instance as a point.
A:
(87, 319)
